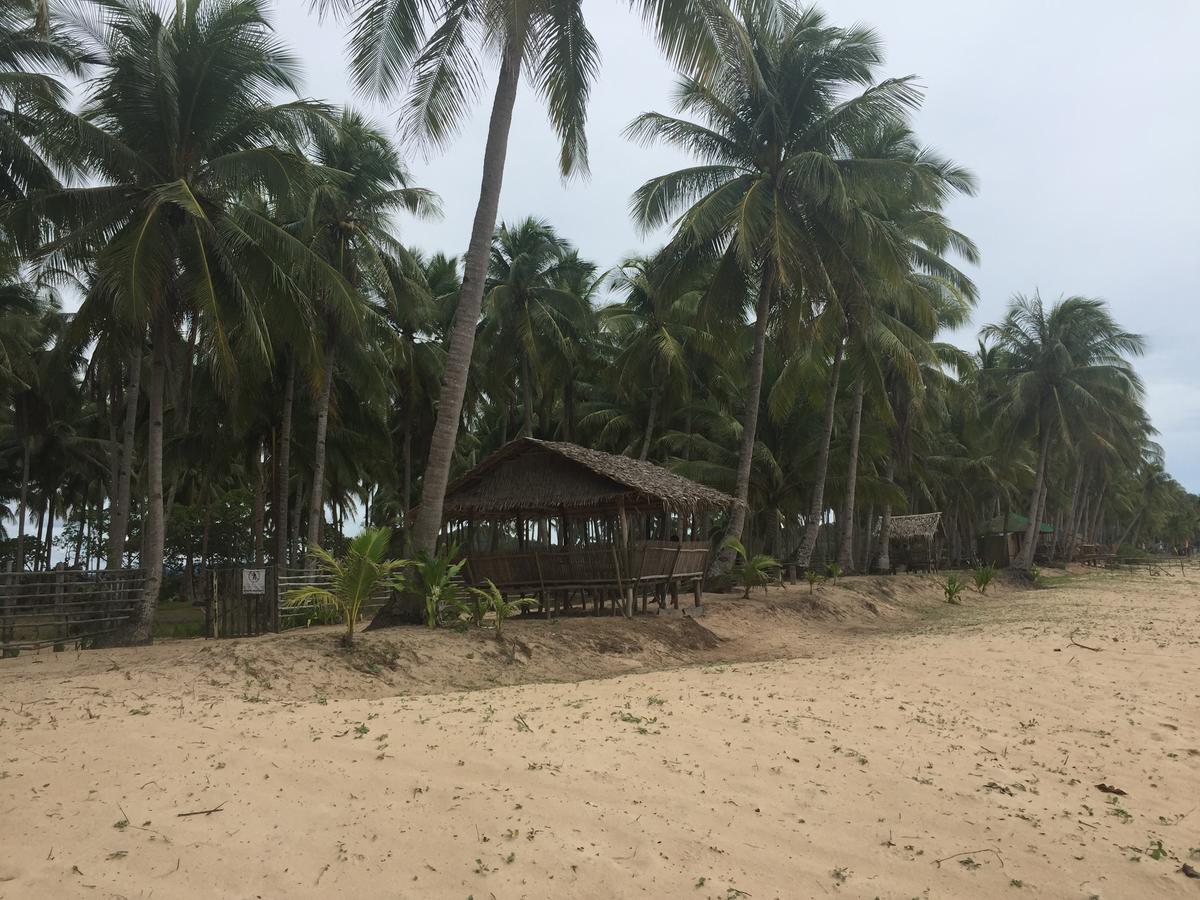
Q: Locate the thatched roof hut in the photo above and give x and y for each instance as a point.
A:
(528, 476)
(905, 528)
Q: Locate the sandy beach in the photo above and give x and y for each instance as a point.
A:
(865, 741)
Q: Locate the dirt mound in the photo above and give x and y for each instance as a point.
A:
(789, 621)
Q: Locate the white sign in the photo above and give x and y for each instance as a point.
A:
(254, 581)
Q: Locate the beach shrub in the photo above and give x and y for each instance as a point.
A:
(952, 589)
(435, 579)
(983, 576)
(751, 571)
(352, 579)
(812, 576)
(835, 571)
(491, 599)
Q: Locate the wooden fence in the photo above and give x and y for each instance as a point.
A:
(43, 609)
(233, 611)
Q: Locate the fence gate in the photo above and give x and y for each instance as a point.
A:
(241, 602)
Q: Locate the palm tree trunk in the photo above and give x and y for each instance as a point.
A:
(883, 562)
(296, 512)
(466, 317)
(1072, 516)
(316, 503)
(181, 423)
(737, 516)
(23, 506)
(283, 471)
(569, 410)
(812, 522)
(154, 521)
(649, 434)
(118, 523)
(845, 557)
(1029, 545)
(260, 504)
(49, 531)
(526, 396)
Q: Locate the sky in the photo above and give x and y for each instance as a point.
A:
(1079, 118)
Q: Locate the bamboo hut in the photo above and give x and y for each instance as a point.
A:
(565, 523)
(911, 540)
(1001, 538)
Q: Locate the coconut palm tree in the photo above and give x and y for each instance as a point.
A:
(179, 127)
(1059, 368)
(550, 42)
(525, 311)
(655, 327)
(348, 223)
(774, 196)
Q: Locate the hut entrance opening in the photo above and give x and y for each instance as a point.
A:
(580, 529)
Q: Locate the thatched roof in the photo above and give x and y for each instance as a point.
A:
(532, 476)
(904, 528)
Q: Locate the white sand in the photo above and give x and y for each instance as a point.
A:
(929, 751)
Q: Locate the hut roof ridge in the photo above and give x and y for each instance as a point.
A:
(632, 475)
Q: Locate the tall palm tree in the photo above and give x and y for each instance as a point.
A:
(774, 193)
(550, 41)
(524, 307)
(348, 223)
(655, 326)
(1059, 368)
(179, 127)
(33, 52)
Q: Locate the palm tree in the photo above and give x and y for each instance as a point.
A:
(525, 309)
(774, 195)
(32, 51)
(1060, 367)
(655, 327)
(348, 223)
(166, 231)
(551, 40)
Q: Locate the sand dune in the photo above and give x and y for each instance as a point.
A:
(882, 744)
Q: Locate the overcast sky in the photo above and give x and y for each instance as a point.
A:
(1079, 118)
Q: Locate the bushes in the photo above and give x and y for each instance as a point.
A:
(983, 576)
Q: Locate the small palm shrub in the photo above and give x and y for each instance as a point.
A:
(952, 589)
(812, 576)
(435, 578)
(835, 571)
(751, 571)
(492, 600)
(983, 576)
(352, 579)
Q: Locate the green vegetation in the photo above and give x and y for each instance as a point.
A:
(953, 588)
(353, 578)
(501, 608)
(982, 576)
(263, 357)
(752, 571)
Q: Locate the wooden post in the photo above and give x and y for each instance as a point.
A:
(60, 612)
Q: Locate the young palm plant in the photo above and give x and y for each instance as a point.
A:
(352, 580)
(751, 571)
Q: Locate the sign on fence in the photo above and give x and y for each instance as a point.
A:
(254, 581)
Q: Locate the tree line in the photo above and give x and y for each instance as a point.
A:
(258, 360)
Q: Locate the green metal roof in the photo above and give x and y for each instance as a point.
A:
(1016, 522)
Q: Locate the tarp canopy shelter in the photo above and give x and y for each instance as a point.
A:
(562, 521)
